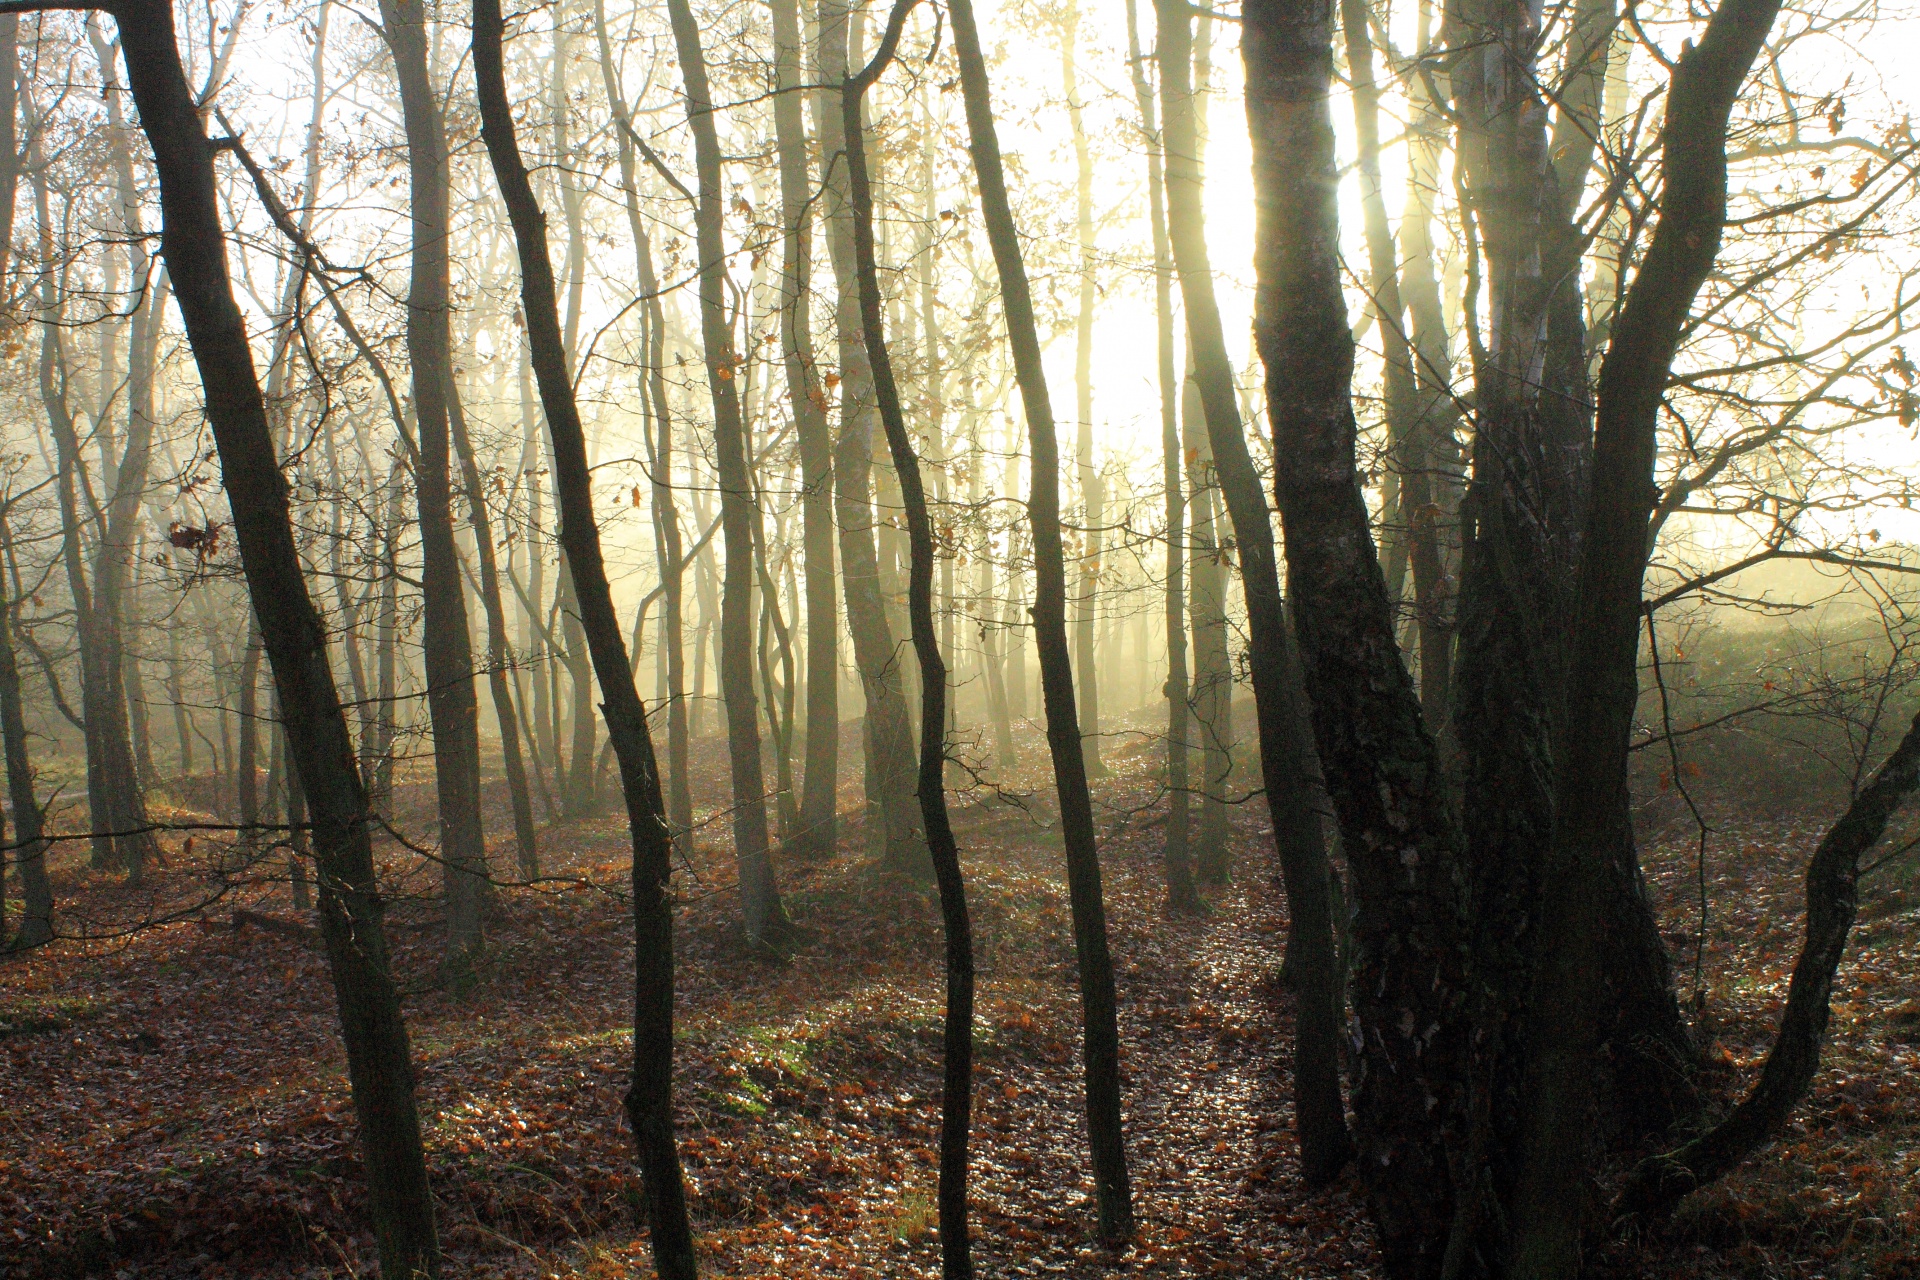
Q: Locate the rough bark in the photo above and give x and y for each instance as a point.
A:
(1563, 1030)
(1381, 767)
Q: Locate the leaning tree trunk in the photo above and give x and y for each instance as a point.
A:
(1101, 1038)
(762, 914)
(957, 1041)
(1381, 768)
(193, 245)
(1832, 886)
(650, 1099)
(1284, 755)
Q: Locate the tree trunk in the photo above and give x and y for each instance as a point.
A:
(902, 843)
(1092, 486)
(1380, 766)
(957, 1040)
(1563, 1028)
(1181, 895)
(447, 648)
(1212, 689)
(499, 648)
(762, 914)
(28, 848)
(818, 804)
(1284, 754)
(193, 245)
(650, 1100)
(1101, 1037)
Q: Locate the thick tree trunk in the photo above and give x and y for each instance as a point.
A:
(1564, 1030)
(762, 914)
(1101, 1044)
(1381, 768)
(193, 245)
(1285, 757)
(650, 1100)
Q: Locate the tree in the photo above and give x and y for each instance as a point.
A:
(1101, 1037)
(650, 1099)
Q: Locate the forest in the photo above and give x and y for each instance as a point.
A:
(885, 638)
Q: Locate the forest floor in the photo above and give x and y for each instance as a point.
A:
(173, 1101)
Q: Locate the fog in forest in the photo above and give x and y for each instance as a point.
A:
(854, 639)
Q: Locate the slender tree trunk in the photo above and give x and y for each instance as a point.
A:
(650, 1099)
(1181, 895)
(29, 850)
(957, 1041)
(1101, 1043)
(1381, 768)
(193, 245)
(890, 736)
(1212, 688)
(818, 803)
(1092, 486)
(1285, 754)
(666, 515)
(1431, 454)
(246, 789)
(763, 916)
(447, 647)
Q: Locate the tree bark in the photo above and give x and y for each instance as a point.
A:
(890, 736)
(1092, 486)
(1181, 895)
(649, 1101)
(818, 803)
(1381, 768)
(1563, 1028)
(446, 643)
(1832, 885)
(1101, 1039)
